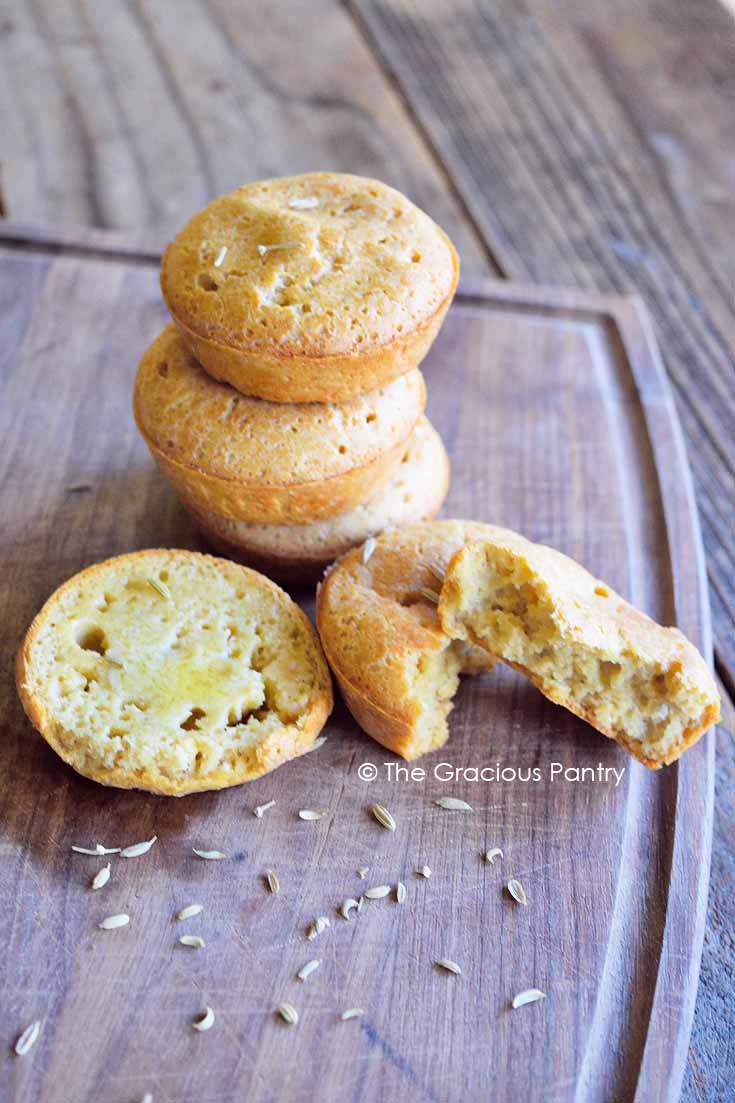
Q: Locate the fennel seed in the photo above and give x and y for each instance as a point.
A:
(450, 966)
(288, 1013)
(517, 891)
(306, 970)
(137, 849)
(101, 878)
(205, 1020)
(99, 850)
(160, 587)
(28, 1038)
(319, 925)
(263, 808)
(111, 922)
(529, 995)
(383, 816)
(377, 893)
(347, 906)
(263, 249)
(195, 941)
(189, 911)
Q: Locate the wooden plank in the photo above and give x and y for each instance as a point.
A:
(555, 410)
(140, 113)
(565, 151)
(710, 1071)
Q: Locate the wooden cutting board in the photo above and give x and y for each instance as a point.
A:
(559, 423)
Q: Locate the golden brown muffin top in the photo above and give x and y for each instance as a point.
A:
(203, 424)
(314, 265)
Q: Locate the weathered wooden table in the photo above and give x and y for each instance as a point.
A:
(584, 145)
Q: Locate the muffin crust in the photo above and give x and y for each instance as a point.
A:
(311, 288)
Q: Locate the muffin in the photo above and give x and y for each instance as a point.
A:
(313, 288)
(298, 554)
(378, 623)
(274, 463)
(583, 645)
(173, 672)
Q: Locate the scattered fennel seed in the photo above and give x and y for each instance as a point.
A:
(368, 548)
(383, 816)
(429, 594)
(378, 892)
(453, 804)
(195, 941)
(360, 902)
(160, 587)
(263, 808)
(347, 906)
(273, 883)
(530, 995)
(303, 202)
(362, 873)
(517, 891)
(424, 872)
(98, 850)
(101, 877)
(189, 911)
(28, 1038)
(220, 256)
(77, 488)
(137, 849)
(353, 1013)
(205, 1020)
(147, 1098)
(110, 922)
(320, 924)
(306, 970)
(263, 249)
(209, 855)
(310, 814)
(400, 892)
(288, 1013)
(492, 854)
(450, 966)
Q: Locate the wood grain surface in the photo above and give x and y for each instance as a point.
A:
(558, 420)
(589, 144)
(237, 92)
(551, 140)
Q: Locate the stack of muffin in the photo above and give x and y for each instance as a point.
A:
(284, 403)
